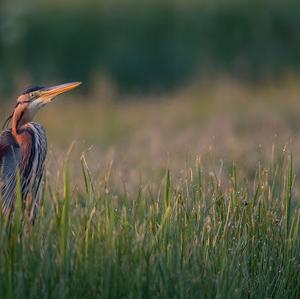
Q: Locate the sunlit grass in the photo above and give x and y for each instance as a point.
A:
(134, 216)
(196, 236)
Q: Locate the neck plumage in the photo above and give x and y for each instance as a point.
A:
(14, 128)
(18, 126)
(23, 138)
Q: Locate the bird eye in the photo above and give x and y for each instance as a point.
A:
(32, 94)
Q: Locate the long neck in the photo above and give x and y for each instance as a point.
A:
(19, 120)
(19, 131)
(22, 137)
(14, 127)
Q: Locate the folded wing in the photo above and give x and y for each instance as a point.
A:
(10, 157)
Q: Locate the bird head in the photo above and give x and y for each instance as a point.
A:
(33, 99)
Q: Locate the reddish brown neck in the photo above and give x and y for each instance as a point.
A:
(18, 121)
(14, 127)
(21, 135)
(20, 115)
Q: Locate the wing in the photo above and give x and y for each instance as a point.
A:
(10, 157)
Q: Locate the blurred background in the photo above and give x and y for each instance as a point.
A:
(163, 81)
(147, 45)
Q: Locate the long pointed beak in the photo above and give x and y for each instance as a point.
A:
(47, 94)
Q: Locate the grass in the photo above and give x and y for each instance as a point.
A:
(138, 215)
(193, 237)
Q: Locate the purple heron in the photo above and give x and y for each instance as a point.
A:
(23, 149)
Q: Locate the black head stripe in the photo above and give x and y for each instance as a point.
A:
(31, 89)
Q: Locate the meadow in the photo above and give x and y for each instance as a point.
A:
(191, 194)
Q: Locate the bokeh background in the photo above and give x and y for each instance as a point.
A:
(164, 81)
(146, 45)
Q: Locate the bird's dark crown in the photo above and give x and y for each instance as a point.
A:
(31, 89)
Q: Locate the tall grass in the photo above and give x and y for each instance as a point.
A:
(195, 237)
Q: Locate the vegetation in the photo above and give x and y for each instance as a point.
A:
(140, 225)
(141, 45)
(190, 239)
(191, 193)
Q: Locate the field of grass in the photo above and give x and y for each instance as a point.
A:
(191, 195)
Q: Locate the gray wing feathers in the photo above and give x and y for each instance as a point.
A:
(10, 157)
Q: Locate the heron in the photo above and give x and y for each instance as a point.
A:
(23, 149)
